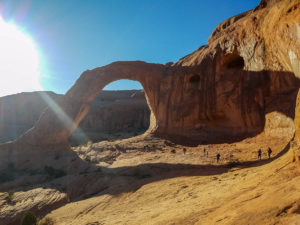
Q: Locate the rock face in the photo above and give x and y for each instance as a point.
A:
(112, 112)
(219, 93)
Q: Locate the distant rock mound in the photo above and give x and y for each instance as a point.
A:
(19, 112)
(113, 114)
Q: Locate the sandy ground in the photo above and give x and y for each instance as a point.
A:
(191, 188)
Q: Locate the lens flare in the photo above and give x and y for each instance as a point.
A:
(19, 61)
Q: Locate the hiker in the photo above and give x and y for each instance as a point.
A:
(218, 157)
(184, 150)
(269, 152)
(259, 154)
(204, 150)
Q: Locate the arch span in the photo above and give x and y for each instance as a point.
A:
(61, 119)
(114, 114)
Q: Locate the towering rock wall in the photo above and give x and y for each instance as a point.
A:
(222, 92)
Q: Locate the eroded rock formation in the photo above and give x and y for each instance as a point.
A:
(219, 93)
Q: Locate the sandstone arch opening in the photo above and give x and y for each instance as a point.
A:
(114, 114)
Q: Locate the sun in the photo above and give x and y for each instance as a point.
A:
(19, 61)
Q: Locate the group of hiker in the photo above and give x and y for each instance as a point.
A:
(205, 152)
(259, 152)
(218, 156)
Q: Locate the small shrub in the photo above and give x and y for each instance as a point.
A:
(94, 160)
(173, 151)
(89, 143)
(108, 159)
(118, 147)
(10, 195)
(111, 139)
(46, 221)
(52, 172)
(29, 219)
(87, 158)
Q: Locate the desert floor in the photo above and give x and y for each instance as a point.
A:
(154, 182)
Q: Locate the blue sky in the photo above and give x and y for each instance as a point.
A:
(75, 35)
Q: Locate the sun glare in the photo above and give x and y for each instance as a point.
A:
(19, 61)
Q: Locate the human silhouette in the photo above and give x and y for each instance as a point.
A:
(259, 154)
(184, 150)
(204, 150)
(218, 157)
(269, 152)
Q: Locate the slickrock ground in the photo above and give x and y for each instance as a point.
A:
(151, 181)
(35, 199)
(261, 195)
(173, 188)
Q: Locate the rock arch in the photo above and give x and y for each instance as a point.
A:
(59, 121)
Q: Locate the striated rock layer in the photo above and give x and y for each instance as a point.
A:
(222, 92)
